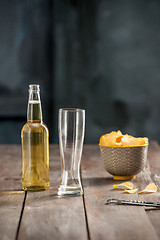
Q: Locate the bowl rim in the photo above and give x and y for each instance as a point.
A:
(145, 145)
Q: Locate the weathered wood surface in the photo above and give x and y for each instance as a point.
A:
(154, 172)
(117, 222)
(47, 216)
(11, 196)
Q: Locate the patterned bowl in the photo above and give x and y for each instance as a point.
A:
(124, 162)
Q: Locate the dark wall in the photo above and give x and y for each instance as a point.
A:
(25, 46)
(103, 56)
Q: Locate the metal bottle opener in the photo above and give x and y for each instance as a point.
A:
(132, 202)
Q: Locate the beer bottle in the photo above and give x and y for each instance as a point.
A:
(35, 146)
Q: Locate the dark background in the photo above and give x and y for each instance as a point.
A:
(100, 55)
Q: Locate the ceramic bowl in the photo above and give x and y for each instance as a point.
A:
(124, 162)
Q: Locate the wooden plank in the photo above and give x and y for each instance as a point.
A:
(154, 170)
(151, 175)
(11, 196)
(47, 216)
(111, 222)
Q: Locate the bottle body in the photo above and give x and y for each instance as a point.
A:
(35, 156)
(35, 150)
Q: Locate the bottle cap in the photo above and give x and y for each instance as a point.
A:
(34, 87)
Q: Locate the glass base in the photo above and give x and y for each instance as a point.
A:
(123, 177)
(69, 191)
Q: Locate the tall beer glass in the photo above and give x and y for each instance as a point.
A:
(71, 137)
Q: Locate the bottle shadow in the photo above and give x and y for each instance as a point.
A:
(11, 197)
(8, 192)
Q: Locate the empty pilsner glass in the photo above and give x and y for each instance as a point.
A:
(71, 137)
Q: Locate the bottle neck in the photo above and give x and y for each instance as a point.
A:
(34, 112)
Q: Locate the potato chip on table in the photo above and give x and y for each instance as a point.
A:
(151, 188)
(125, 185)
(132, 191)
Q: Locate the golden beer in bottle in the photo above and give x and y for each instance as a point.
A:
(35, 146)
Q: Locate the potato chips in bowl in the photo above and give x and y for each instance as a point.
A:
(123, 156)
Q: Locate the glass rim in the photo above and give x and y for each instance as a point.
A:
(72, 109)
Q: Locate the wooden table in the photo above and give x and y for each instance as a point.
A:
(44, 215)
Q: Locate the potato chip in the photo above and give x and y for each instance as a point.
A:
(132, 191)
(151, 188)
(117, 139)
(127, 185)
